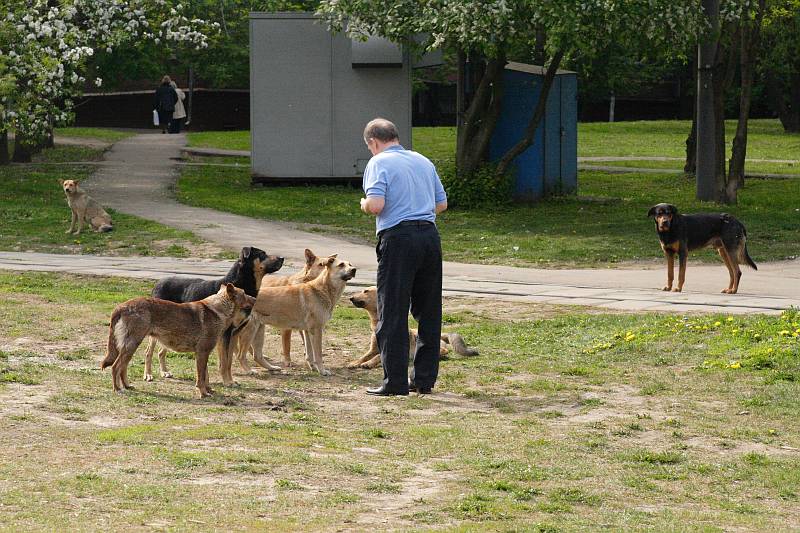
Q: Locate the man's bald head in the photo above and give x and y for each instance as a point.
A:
(381, 130)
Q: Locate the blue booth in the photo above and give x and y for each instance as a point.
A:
(550, 165)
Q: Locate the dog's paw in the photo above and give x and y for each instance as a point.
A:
(166, 374)
(676, 289)
(667, 288)
(355, 364)
(148, 377)
(68, 232)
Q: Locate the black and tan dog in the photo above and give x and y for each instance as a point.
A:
(680, 234)
(368, 301)
(185, 327)
(246, 273)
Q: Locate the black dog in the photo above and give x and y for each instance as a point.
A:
(683, 233)
(246, 273)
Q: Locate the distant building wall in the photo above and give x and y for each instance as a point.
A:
(313, 92)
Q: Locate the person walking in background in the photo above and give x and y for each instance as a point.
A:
(179, 115)
(405, 194)
(164, 102)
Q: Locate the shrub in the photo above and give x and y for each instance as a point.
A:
(481, 188)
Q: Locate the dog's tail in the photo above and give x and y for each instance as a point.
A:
(459, 346)
(116, 327)
(747, 258)
(105, 228)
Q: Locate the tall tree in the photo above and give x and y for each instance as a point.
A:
(780, 64)
(489, 32)
(50, 42)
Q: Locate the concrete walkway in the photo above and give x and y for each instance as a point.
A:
(139, 179)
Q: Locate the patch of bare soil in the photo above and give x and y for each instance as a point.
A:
(204, 250)
(424, 486)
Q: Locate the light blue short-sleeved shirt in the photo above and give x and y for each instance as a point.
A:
(409, 184)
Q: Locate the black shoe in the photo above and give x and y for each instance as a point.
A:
(383, 391)
(419, 390)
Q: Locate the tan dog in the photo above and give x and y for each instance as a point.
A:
(251, 337)
(188, 327)
(368, 300)
(307, 307)
(85, 209)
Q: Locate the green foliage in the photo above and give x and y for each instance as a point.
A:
(484, 187)
(224, 64)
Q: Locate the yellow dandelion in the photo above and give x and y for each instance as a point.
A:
(735, 364)
(717, 324)
(770, 350)
(730, 319)
(784, 332)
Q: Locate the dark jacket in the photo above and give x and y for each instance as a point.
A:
(165, 98)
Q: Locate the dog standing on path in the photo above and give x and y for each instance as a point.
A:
(188, 327)
(368, 301)
(680, 234)
(85, 209)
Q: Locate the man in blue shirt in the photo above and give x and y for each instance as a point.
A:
(405, 194)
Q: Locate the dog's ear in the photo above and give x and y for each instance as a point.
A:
(230, 289)
(310, 257)
(672, 209)
(334, 256)
(246, 252)
(652, 211)
(330, 260)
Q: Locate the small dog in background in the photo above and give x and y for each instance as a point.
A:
(368, 300)
(680, 234)
(85, 209)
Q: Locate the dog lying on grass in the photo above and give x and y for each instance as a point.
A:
(251, 337)
(84, 209)
(185, 327)
(368, 300)
(306, 307)
(247, 273)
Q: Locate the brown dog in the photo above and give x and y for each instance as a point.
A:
(188, 327)
(251, 337)
(85, 209)
(306, 307)
(368, 300)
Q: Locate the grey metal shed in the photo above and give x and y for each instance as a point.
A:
(312, 93)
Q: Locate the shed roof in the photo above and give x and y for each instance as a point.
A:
(533, 69)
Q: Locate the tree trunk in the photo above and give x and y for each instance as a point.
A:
(707, 81)
(690, 166)
(789, 115)
(4, 156)
(533, 124)
(23, 149)
(749, 42)
(476, 128)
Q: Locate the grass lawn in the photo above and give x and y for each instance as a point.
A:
(606, 224)
(36, 215)
(766, 140)
(102, 134)
(752, 168)
(568, 420)
(226, 140)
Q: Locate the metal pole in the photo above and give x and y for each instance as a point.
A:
(706, 145)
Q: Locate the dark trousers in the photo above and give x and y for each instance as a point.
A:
(409, 277)
(164, 118)
(175, 125)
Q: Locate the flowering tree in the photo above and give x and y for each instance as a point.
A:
(489, 32)
(47, 45)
